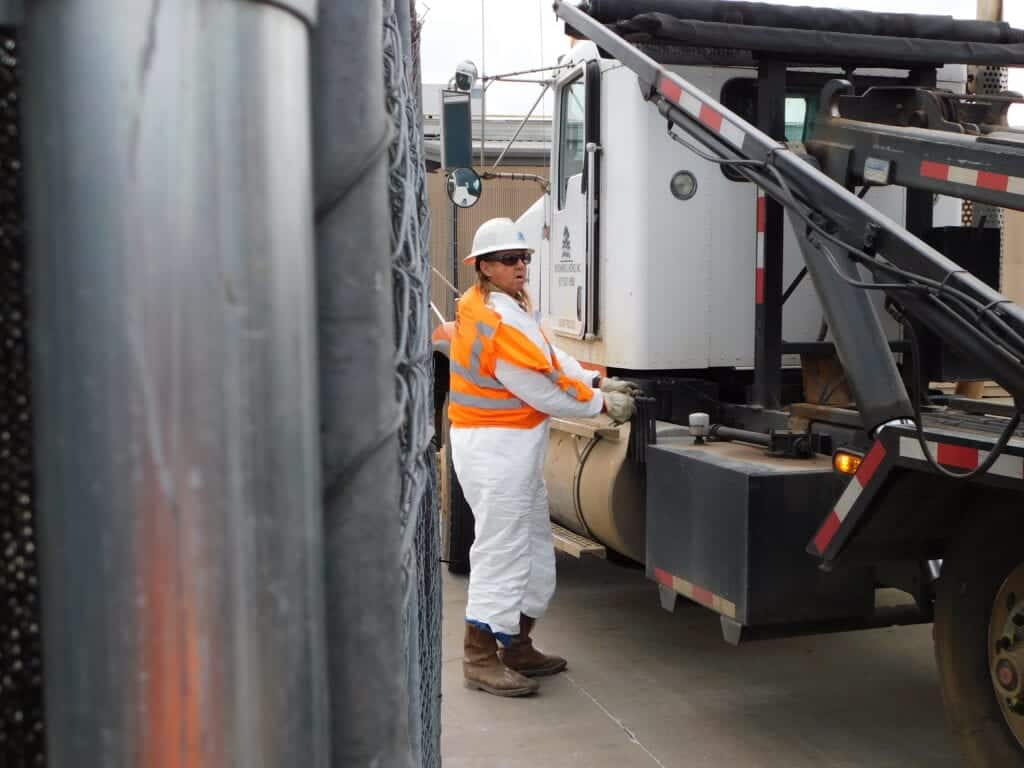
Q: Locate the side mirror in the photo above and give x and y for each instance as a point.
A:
(465, 187)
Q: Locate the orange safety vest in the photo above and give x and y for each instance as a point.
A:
(478, 399)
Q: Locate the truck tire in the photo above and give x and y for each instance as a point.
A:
(458, 519)
(975, 575)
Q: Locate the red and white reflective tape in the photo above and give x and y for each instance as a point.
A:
(856, 487)
(762, 202)
(971, 177)
(962, 457)
(697, 594)
(706, 114)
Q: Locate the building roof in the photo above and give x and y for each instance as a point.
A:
(533, 147)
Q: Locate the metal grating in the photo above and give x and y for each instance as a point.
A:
(21, 696)
(989, 80)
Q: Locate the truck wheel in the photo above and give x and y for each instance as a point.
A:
(979, 641)
(456, 518)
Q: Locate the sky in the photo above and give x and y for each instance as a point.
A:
(519, 34)
(502, 36)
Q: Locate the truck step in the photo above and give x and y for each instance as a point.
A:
(576, 545)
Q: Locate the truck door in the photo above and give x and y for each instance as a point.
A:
(572, 263)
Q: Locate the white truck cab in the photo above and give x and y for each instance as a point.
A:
(648, 254)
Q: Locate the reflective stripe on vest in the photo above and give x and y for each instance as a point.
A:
(473, 372)
(490, 403)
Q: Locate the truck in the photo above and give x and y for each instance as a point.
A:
(756, 215)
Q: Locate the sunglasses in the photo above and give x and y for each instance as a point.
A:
(510, 259)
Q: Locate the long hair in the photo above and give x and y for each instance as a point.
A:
(483, 283)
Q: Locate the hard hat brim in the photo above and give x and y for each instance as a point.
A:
(513, 246)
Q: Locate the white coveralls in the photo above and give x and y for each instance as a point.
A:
(501, 471)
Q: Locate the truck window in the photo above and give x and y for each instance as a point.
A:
(740, 95)
(796, 118)
(571, 135)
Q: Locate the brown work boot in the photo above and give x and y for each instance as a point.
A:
(521, 656)
(483, 670)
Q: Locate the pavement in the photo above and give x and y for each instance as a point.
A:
(647, 688)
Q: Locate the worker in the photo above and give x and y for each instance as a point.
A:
(506, 380)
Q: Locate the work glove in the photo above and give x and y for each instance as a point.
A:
(618, 385)
(619, 406)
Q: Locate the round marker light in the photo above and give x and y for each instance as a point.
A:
(683, 185)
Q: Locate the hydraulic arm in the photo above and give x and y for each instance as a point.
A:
(841, 233)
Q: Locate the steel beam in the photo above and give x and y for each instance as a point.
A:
(771, 118)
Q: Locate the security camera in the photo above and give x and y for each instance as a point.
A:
(465, 75)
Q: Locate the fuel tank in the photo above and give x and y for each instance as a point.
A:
(594, 489)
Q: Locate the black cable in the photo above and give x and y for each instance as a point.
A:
(711, 158)
(997, 449)
(916, 282)
(868, 259)
(793, 205)
(938, 290)
(794, 285)
(830, 389)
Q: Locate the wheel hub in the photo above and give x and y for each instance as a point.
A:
(1006, 651)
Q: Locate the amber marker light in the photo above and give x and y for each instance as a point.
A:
(846, 463)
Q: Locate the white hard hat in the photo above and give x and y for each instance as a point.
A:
(496, 235)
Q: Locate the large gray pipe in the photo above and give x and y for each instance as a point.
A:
(171, 262)
(367, 663)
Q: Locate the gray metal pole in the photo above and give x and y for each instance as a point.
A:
(483, 87)
(171, 259)
(990, 10)
(454, 253)
(522, 124)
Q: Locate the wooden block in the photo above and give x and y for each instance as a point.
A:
(576, 545)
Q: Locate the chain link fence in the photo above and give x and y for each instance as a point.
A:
(414, 368)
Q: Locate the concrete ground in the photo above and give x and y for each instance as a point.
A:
(647, 688)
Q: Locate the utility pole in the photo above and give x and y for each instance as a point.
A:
(483, 85)
(454, 253)
(990, 10)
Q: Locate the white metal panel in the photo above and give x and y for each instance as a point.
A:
(732, 220)
(654, 261)
(623, 266)
(566, 282)
(678, 250)
(532, 225)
